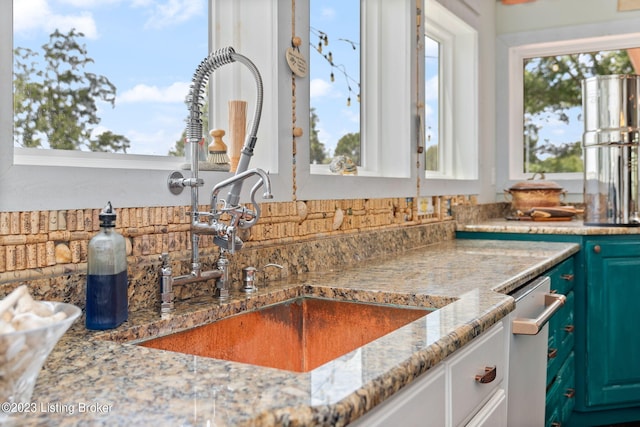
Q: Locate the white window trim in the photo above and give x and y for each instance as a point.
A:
(388, 109)
(32, 179)
(49, 187)
(459, 131)
(445, 122)
(511, 51)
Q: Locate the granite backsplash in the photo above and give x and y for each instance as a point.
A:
(47, 250)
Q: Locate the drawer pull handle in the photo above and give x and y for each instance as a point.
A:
(570, 393)
(567, 277)
(597, 249)
(569, 328)
(553, 303)
(488, 376)
(556, 424)
(553, 352)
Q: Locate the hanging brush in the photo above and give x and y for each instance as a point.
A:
(218, 157)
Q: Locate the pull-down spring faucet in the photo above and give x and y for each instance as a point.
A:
(224, 234)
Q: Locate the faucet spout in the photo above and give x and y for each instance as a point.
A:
(224, 234)
(238, 178)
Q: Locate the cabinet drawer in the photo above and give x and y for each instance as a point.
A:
(561, 394)
(466, 391)
(424, 399)
(493, 413)
(561, 337)
(562, 277)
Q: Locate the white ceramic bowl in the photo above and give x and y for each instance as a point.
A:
(22, 354)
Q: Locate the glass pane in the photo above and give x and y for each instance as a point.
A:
(105, 76)
(432, 104)
(334, 71)
(553, 124)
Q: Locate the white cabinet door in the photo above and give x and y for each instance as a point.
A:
(420, 404)
(493, 413)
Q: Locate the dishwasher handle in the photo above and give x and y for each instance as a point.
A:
(553, 303)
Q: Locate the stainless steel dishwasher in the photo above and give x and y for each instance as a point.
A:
(527, 377)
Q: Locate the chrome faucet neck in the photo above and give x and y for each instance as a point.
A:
(224, 235)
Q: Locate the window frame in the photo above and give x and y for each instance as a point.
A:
(37, 179)
(511, 51)
(130, 184)
(460, 96)
(388, 112)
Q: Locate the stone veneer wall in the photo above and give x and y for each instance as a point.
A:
(48, 249)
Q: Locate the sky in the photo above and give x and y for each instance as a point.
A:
(149, 49)
(336, 19)
(129, 41)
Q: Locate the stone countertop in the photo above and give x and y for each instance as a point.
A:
(573, 227)
(91, 380)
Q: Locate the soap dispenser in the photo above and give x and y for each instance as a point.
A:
(106, 293)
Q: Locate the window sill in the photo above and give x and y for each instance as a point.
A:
(82, 159)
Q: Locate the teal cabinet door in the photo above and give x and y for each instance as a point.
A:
(613, 322)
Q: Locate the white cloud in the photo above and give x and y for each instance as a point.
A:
(35, 15)
(319, 88)
(177, 92)
(156, 143)
(174, 12)
(88, 3)
(328, 13)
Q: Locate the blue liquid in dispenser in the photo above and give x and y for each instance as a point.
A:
(107, 299)
(107, 302)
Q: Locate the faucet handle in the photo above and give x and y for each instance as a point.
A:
(249, 279)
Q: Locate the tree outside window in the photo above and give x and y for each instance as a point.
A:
(553, 125)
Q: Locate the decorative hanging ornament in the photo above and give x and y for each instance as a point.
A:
(296, 61)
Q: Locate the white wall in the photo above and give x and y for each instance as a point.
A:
(544, 14)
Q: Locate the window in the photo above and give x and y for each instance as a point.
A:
(35, 179)
(549, 49)
(553, 125)
(432, 61)
(450, 130)
(117, 52)
(334, 73)
(389, 123)
(387, 104)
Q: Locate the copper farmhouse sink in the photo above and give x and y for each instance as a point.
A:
(296, 335)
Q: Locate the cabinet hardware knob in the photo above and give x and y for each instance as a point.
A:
(597, 249)
(553, 352)
(488, 376)
(570, 393)
(556, 424)
(569, 328)
(567, 277)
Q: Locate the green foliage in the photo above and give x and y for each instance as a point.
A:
(552, 86)
(317, 150)
(431, 158)
(349, 145)
(178, 148)
(57, 104)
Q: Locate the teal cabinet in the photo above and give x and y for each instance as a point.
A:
(605, 333)
(613, 322)
(560, 350)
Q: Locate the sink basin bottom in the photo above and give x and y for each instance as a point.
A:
(296, 335)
